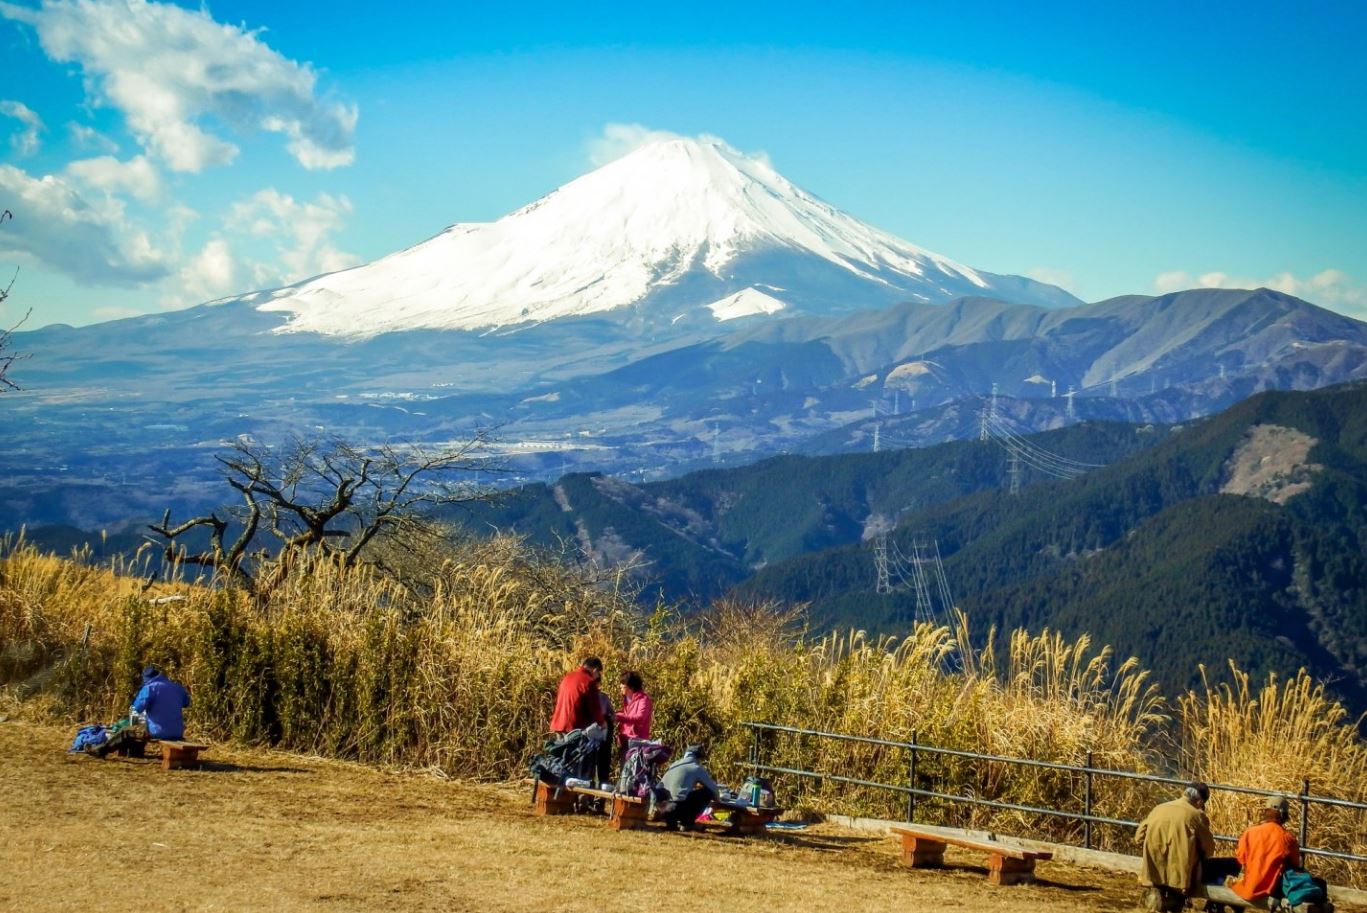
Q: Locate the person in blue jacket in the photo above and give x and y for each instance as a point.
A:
(162, 703)
(157, 713)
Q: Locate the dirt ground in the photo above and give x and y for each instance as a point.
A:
(266, 831)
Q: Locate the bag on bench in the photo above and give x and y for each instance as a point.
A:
(641, 767)
(1299, 886)
(573, 754)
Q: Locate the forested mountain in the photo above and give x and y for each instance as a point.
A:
(1238, 537)
(697, 535)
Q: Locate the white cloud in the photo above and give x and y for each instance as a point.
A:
(135, 177)
(89, 239)
(90, 139)
(26, 141)
(1060, 277)
(1330, 288)
(302, 234)
(211, 273)
(169, 70)
(617, 140)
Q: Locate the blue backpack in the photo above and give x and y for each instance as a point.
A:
(1298, 888)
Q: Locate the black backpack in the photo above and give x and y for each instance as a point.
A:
(570, 755)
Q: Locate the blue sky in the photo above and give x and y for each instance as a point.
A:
(157, 156)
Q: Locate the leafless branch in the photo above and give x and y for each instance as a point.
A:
(7, 355)
(329, 496)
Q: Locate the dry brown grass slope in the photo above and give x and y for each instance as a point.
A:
(267, 831)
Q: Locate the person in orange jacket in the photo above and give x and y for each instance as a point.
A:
(1265, 850)
(576, 700)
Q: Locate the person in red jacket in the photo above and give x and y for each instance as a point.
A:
(576, 700)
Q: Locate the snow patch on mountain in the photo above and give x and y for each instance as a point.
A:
(745, 303)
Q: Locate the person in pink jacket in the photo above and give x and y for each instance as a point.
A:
(633, 720)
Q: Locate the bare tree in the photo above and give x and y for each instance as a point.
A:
(7, 354)
(326, 496)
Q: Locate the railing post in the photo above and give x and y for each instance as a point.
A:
(1305, 812)
(911, 797)
(754, 753)
(1087, 806)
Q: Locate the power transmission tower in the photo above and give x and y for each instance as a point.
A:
(876, 428)
(716, 443)
(989, 415)
(1070, 394)
(1014, 471)
(897, 398)
(883, 583)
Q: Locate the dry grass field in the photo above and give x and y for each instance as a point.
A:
(271, 831)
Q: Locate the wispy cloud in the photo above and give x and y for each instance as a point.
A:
(617, 140)
(136, 177)
(89, 139)
(26, 141)
(173, 72)
(301, 232)
(86, 237)
(1060, 277)
(1331, 288)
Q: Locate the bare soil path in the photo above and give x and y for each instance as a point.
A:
(264, 831)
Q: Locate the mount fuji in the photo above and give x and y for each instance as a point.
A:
(678, 230)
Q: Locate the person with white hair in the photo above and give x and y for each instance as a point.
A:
(1174, 840)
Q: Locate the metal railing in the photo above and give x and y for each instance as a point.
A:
(1087, 772)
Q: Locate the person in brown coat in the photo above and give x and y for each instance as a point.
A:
(1174, 840)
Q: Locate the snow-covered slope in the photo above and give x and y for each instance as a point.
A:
(682, 223)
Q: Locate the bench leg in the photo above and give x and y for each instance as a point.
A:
(173, 758)
(1005, 870)
(746, 825)
(552, 801)
(627, 816)
(920, 852)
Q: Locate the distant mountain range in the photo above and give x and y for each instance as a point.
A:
(681, 307)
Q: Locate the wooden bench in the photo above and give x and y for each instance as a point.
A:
(628, 813)
(176, 753)
(1219, 895)
(747, 820)
(1008, 861)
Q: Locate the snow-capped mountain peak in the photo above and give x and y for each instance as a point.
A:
(687, 222)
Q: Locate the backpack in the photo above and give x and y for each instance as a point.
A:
(570, 755)
(641, 767)
(759, 792)
(1298, 888)
(88, 738)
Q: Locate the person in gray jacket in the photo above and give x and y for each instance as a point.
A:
(690, 787)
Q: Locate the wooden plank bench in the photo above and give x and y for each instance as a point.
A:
(628, 813)
(747, 820)
(1008, 861)
(176, 753)
(1218, 894)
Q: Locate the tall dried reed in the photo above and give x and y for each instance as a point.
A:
(460, 673)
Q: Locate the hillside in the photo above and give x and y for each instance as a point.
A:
(1181, 554)
(701, 533)
(268, 831)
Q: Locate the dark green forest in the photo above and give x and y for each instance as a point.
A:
(1148, 555)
